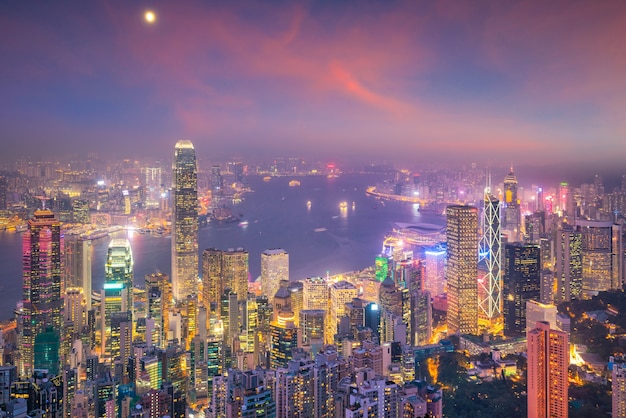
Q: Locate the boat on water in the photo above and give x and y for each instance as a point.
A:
(343, 205)
(267, 178)
(308, 204)
(294, 183)
(243, 224)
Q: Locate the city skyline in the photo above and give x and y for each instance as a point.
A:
(494, 83)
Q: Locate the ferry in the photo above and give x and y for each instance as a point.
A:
(343, 205)
(243, 224)
(308, 204)
(294, 183)
(267, 178)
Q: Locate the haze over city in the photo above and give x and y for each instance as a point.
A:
(495, 82)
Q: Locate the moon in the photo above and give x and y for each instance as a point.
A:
(150, 16)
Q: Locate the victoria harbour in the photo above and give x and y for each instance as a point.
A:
(321, 239)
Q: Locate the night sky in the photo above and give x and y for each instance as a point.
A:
(488, 81)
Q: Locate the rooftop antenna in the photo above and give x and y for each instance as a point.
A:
(43, 201)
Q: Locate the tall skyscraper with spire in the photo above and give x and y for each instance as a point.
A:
(511, 207)
(184, 220)
(42, 305)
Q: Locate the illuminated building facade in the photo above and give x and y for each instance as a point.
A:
(462, 229)
(490, 258)
(511, 207)
(312, 327)
(119, 268)
(316, 292)
(117, 292)
(601, 265)
(223, 270)
(421, 318)
(159, 300)
(569, 264)
(78, 266)
(340, 294)
(284, 339)
(184, 221)
(548, 361)
(522, 283)
(153, 185)
(435, 271)
(618, 386)
(274, 268)
(42, 305)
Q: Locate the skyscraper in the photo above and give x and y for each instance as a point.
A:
(78, 266)
(569, 269)
(618, 385)
(184, 220)
(223, 270)
(462, 230)
(490, 259)
(153, 187)
(435, 271)
(274, 268)
(548, 360)
(42, 249)
(511, 206)
(522, 283)
(117, 293)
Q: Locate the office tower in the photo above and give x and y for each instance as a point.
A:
(223, 270)
(119, 268)
(340, 294)
(421, 318)
(274, 268)
(598, 260)
(217, 182)
(42, 305)
(153, 187)
(236, 168)
(77, 267)
(184, 221)
(548, 360)
(618, 385)
(569, 269)
(565, 200)
(311, 327)
(120, 339)
(522, 282)
(315, 293)
(618, 272)
(75, 308)
(435, 260)
(297, 297)
(159, 300)
(511, 222)
(490, 258)
(284, 339)
(535, 226)
(397, 302)
(80, 211)
(461, 230)
(46, 351)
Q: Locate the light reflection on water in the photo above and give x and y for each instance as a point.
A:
(319, 237)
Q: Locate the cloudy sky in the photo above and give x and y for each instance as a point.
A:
(490, 81)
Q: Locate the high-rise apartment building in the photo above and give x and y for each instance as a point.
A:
(522, 283)
(618, 386)
(601, 268)
(42, 305)
(274, 268)
(462, 230)
(548, 360)
(184, 221)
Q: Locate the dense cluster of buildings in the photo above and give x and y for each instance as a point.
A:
(211, 343)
